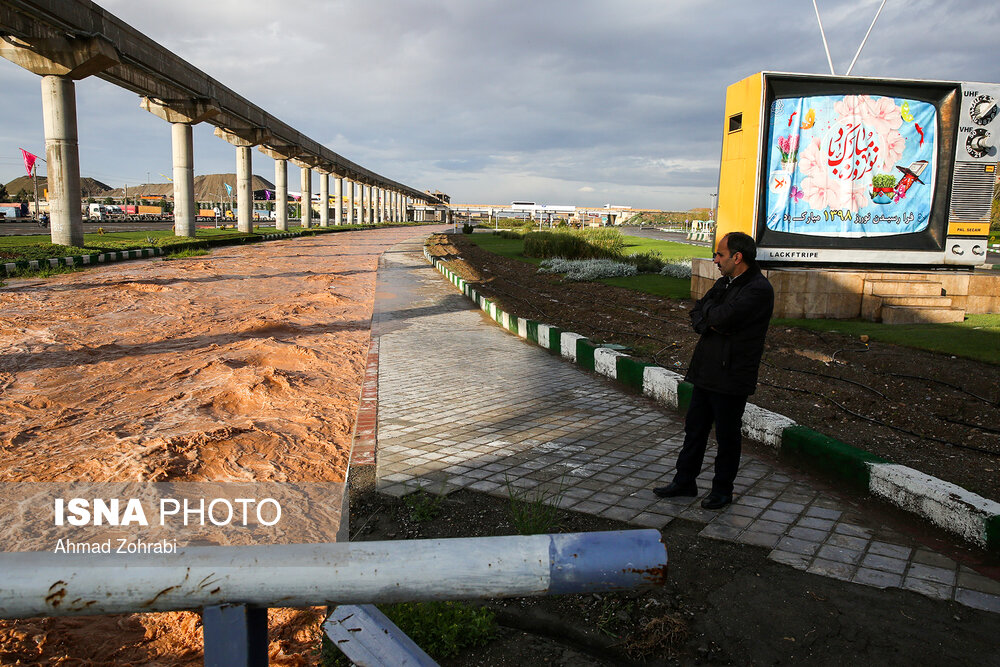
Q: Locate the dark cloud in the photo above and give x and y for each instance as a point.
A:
(492, 101)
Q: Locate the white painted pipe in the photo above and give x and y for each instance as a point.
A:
(50, 584)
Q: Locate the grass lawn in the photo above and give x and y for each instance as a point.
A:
(654, 283)
(978, 337)
(504, 247)
(667, 249)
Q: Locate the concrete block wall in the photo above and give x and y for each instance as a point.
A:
(839, 293)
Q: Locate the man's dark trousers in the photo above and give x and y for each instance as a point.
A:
(726, 412)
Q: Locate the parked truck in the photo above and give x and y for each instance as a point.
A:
(97, 212)
(13, 210)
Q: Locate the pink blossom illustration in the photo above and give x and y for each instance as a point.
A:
(850, 107)
(824, 192)
(858, 196)
(895, 144)
(882, 114)
(811, 161)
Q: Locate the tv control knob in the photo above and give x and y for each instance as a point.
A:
(979, 143)
(957, 250)
(984, 109)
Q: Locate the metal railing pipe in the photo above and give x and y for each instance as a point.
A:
(51, 584)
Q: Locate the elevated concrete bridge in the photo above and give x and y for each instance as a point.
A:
(63, 41)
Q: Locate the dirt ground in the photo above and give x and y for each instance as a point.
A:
(243, 365)
(723, 604)
(932, 412)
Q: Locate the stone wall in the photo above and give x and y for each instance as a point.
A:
(838, 293)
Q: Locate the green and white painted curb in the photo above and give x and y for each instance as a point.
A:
(974, 518)
(82, 260)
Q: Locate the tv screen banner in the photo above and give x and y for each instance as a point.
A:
(850, 166)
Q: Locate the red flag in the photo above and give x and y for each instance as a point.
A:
(29, 161)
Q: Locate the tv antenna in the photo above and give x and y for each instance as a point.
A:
(863, 41)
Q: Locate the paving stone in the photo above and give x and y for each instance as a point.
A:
(978, 600)
(928, 588)
(720, 531)
(798, 561)
(795, 546)
(877, 578)
(940, 575)
(780, 517)
(744, 510)
(807, 534)
(734, 520)
(771, 527)
(814, 523)
(790, 508)
(847, 542)
(852, 530)
(833, 569)
(590, 507)
(839, 554)
(620, 513)
(884, 563)
(890, 550)
(651, 520)
(758, 538)
(976, 582)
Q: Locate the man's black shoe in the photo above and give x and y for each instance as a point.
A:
(674, 489)
(714, 501)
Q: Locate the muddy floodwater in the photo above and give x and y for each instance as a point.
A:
(243, 365)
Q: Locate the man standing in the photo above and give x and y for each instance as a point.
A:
(732, 319)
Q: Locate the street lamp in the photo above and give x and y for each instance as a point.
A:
(715, 197)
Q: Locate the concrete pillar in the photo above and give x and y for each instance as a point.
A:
(62, 153)
(306, 221)
(324, 199)
(338, 195)
(362, 204)
(380, 205)
(182, 114)
(60, 61)
(244, 189)
(281, 195)
(184, 207)
(350, 202)
(372, 202)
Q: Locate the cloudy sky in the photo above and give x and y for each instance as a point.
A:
(581, 102)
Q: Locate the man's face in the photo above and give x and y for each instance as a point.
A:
(724, 260)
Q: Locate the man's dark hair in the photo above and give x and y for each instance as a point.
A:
(743, 244)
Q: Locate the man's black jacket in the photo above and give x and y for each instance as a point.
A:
(732, 319)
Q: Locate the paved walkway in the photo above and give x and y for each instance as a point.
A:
(464, 404)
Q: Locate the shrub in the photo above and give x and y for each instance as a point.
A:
(587, 269)
(650, 261)
(678, 268)
(585, 244)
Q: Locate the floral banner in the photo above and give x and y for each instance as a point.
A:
(850, 165)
